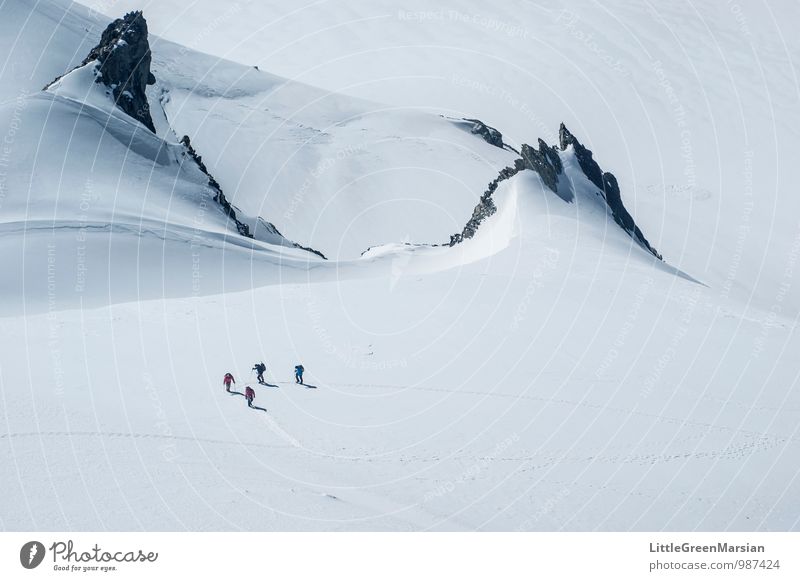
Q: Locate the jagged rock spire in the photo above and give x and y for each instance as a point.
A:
(607, 184)
(545, 162)
(123, 57)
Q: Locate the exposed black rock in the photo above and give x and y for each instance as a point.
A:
(486, 206)
(123, 65)
(490, 134)
(584, 156)
(123, 58)
(551, 154)
(607, 184)
(272, 229)
(545, 162)
(228, 208)
(219, 196)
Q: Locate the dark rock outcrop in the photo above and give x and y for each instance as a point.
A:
(228, 208)
(584, 156)
(490, 134)
(219, 196)
(123, 65)
(607, 185)
(123, 57)
(272, 229)
(545, 162)
(486, 206)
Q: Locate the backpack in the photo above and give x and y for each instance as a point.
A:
(299, 369)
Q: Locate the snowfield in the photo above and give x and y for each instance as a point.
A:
(546, 374)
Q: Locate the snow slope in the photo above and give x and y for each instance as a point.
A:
(526, 391)
(42, 43)
(546, 374)
(337, 173)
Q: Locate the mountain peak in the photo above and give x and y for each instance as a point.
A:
(123, 57)
(607, 185)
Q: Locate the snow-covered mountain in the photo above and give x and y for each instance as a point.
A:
(492, 338)
(693, 106)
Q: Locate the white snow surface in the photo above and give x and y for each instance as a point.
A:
(547, 374)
